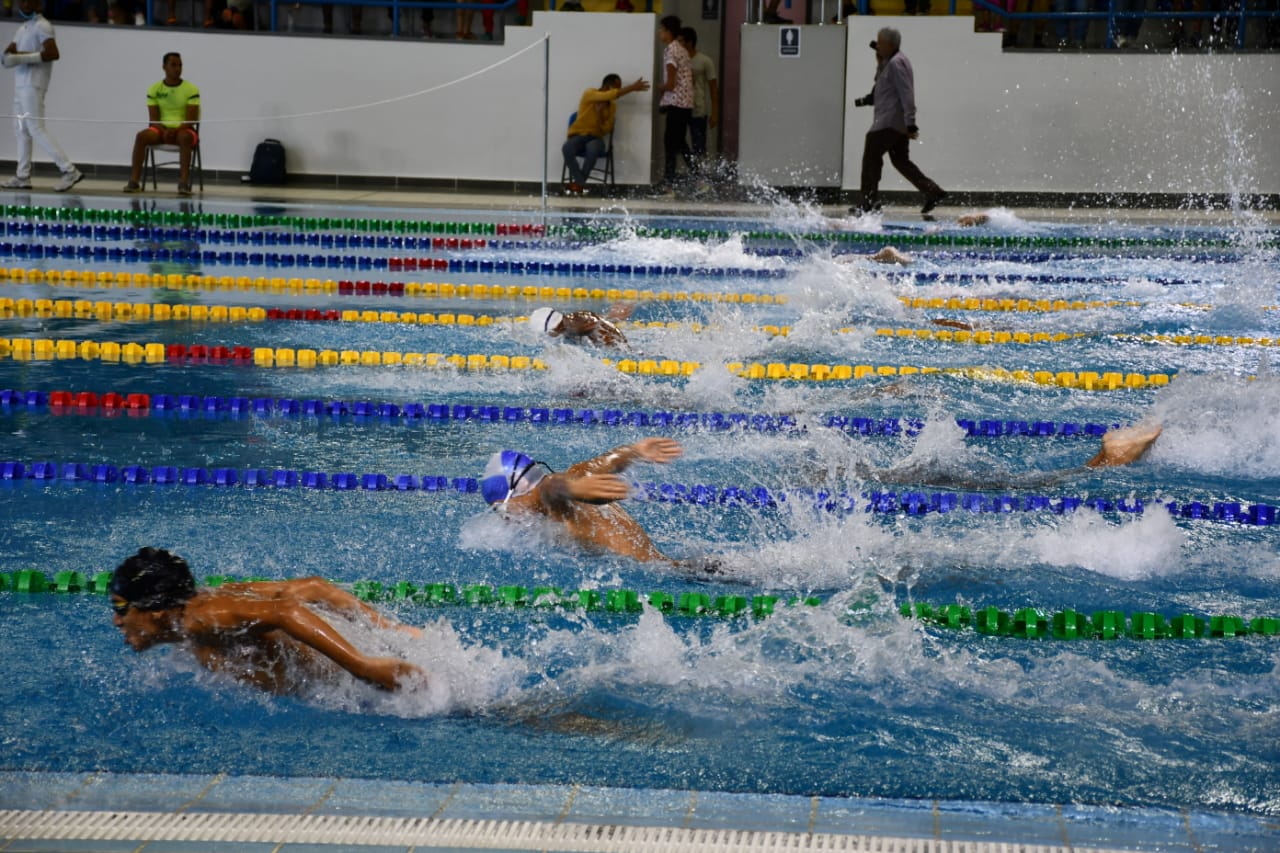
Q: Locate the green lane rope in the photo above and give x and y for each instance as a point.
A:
(475, 595)
(597, 232)
(1029, 623)
(1025, 623)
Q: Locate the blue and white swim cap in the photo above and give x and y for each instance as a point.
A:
(509, 474)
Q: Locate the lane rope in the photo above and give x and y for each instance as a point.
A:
(1023, 623)
(133, 353)
(110, 403)
(699, 494)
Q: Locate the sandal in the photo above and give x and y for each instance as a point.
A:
(184, 189)
(133, 187)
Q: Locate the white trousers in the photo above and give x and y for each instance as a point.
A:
(28, 107)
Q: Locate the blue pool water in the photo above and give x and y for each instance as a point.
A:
(842, 698)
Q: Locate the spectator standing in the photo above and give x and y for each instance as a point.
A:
(706, 97)
(893, 126)
(597, 110)
(173, 108)
(677, 99)
(31, 55)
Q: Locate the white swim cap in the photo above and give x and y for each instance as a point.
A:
(545, 319)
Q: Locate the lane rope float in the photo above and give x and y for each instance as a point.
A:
(700, 494)
(86, 403)
(393, 289)
(1022, 623)
(44, 349)
(599, 232)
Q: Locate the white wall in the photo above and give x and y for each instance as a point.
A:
(384, 107)
(1071, 122)
(990, 120)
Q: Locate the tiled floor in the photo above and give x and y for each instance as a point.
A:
(171, 805)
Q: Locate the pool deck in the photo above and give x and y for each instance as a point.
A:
(110, 813)
(105, 813)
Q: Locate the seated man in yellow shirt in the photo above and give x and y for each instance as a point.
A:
(596, 112)
(173, 108)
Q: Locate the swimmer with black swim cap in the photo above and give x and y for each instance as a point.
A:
(265, 633)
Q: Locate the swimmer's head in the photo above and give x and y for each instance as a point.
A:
(152, 579)
(545, 320)
(509, 474)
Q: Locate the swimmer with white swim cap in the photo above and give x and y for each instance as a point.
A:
(264, 633)
(583, 498)
(576, 325)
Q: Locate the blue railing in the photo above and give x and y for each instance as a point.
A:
(395, 7)
(1238, 13)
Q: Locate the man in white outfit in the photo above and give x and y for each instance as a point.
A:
(31, 55)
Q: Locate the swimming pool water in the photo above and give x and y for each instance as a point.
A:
(845, 698)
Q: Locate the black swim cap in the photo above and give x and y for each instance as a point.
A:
(153, 579)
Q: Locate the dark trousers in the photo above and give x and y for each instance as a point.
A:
(673, 140)
(698, 139)
(893, 143)
(589, 148)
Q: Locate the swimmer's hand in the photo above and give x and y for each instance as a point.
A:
(393, 673)
(598, 488)
(660, 450)
(1122, 446)
(416, 633)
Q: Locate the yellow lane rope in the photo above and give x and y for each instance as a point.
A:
(103, 311)
(28, 349)
(278, 284)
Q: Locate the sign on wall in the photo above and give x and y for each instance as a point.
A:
(789, 41)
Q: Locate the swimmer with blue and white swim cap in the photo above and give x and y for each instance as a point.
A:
(583, 498)
(577, 325)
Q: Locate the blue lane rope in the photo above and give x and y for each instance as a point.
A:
(216, 407)
(759, 497)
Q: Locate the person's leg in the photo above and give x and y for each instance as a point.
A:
(23, 173)
(573, 147)
(33, 107)
(900, 155)
(186, 141)
(673, 141)
(872, 168)
(698, 140)
(590, 154)
(144, 140)
(486, 18)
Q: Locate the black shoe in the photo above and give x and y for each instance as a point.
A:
(931, 200)
(776, 19)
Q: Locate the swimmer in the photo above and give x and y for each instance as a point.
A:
(1119, 447)
(972, 220)
(887, 255)
(263, 633)
(576, 325)
(583, 498)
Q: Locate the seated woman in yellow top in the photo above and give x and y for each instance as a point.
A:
(173, 108)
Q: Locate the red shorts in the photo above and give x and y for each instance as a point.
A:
(169, 135)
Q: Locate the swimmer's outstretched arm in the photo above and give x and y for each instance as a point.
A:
(659, 450)
(316, 590)
(219, 614)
